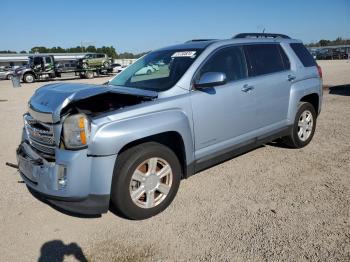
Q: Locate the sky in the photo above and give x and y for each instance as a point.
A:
(137, 26)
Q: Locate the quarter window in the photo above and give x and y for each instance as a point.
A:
(265, 59)
(303, 54)
(230, 61)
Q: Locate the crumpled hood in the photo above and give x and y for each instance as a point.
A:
(52, 98)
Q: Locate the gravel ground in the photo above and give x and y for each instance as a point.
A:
(271, 204)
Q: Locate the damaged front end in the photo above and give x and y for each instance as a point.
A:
(53, 156)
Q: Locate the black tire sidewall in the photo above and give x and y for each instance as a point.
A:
(303, 107)
(9, 77)
(124, 168)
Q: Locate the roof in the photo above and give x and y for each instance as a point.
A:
(202, 44)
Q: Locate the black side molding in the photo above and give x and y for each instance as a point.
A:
(229, 153)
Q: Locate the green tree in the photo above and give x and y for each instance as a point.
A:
(110, 51)
(57, 49)
(324, 42)
(7, 52)
(91, 49)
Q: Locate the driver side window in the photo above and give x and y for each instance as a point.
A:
(230, 61)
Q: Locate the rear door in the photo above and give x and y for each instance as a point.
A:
(270, 78)
(100, 59)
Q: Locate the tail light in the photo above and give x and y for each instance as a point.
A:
(319, 69)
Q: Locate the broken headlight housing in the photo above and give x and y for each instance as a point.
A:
(76, 131)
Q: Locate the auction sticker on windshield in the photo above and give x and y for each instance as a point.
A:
(191, 54)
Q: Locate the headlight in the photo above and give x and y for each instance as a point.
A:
(76, 131)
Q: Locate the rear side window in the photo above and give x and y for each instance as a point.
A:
(266, 59)
(285, 58)
(303, 54)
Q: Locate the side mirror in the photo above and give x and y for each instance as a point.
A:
(210, 79)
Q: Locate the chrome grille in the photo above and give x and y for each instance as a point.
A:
(41, 136)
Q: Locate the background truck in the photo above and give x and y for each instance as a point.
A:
(44, 67)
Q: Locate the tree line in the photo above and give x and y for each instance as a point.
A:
(108, 50)
(111, 52)
(324, 42)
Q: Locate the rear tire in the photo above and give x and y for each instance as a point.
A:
(9, 77)
(303, 128)
(89, 74)
(134, 180)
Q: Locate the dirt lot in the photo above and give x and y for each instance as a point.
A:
(270, 204)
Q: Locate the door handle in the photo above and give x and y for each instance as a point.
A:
(291, 78)
(246, 88)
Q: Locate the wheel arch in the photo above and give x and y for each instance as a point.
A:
(313, 99)
(308, 90)
(170, 128)
(8, 75)
(170, 139)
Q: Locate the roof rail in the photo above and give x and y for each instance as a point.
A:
(260, 35)
(199, 40)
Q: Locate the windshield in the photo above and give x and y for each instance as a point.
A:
(157, 71)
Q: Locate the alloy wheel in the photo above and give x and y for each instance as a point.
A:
(151, 182)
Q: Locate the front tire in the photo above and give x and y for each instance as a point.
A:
(145, 180)
(28, 78)
(9, 76)
(304, 126)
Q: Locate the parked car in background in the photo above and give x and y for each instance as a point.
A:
(331, 53)
(313, 52)
(147, 70)
(116, 68)
(93, 60)
(6, 74)
(324, 54)
(127, 144)
(338, 53)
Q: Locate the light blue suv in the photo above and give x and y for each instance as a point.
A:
(127, 144)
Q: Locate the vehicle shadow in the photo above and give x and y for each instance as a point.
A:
(343, 90)
(56, 250)
(278, 143)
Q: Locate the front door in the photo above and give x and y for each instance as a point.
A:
(223, 115)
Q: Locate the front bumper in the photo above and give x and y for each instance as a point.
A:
(75, 182)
